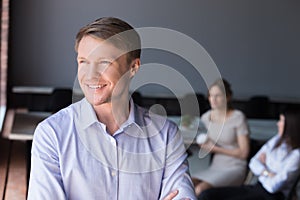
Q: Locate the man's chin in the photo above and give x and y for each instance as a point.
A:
(97, 101)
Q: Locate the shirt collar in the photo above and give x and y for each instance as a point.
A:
(88, 115)
(131, 117)
(139, 123)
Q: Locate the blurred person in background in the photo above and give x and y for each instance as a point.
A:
(228, 141)
(277, 165)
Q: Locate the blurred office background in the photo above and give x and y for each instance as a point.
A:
(254, 44)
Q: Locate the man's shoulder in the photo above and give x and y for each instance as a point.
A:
(64, 115)
(58, 125)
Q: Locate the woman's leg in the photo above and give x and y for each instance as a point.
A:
(195, 181)
(201, 186)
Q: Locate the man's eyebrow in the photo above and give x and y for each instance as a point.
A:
(80, 57)
(98, 59)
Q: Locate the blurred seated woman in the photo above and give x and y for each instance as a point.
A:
(276, 164)
(228, 135)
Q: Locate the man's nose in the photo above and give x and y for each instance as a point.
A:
(95, 70)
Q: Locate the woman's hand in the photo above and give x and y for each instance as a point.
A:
(240, 152)
(262, 158)
(208, 146)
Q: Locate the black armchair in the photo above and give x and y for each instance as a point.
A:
(60, 98)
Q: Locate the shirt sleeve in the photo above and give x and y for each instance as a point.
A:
(290, 168)
(242, 127)
(255, 164)
(176, 172)
(205, 118)
(285, 170)
(45, 177)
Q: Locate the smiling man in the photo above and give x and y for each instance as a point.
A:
(105, 146)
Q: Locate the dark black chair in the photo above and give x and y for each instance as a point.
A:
(60, 98)
(137, 98)
(292, 195)
(258, 107)
(37, 102)
(255, 146)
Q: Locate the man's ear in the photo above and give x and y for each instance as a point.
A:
(134, 67)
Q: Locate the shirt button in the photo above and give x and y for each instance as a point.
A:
(112, 140)
(113, 173)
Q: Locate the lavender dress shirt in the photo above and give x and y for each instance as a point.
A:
(73, 157)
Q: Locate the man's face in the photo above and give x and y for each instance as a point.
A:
(103, 71)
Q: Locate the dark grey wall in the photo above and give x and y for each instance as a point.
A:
(254, 43)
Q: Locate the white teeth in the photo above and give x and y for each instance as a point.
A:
(95, 86)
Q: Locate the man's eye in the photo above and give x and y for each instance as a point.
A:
(82, 62)
(105, 62)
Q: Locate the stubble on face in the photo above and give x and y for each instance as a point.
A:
(102, 71)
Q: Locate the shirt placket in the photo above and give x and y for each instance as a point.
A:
(114, 172)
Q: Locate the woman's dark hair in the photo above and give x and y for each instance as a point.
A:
(225, 87)
(291, 131)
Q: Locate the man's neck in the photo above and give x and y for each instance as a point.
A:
(113, 114)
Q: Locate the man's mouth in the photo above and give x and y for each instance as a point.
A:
(96, 86)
